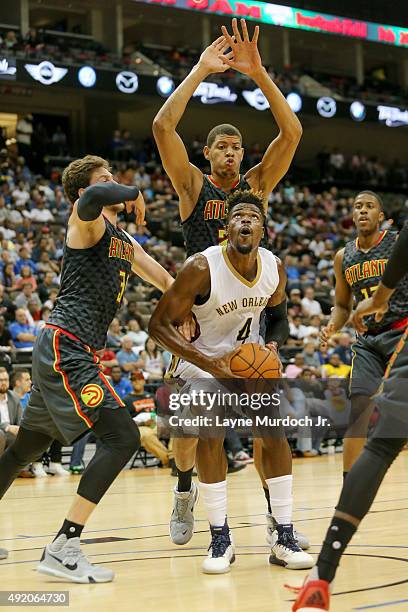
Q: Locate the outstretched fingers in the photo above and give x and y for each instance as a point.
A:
(244, 30)
(236, 30)
(255, 36)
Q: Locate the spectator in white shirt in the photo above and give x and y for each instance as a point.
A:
(310, 306)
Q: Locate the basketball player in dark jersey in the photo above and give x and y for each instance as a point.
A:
(391, 433)
(70, 393)
(358, 269)
(203, 210)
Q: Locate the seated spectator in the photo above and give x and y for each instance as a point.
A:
(47, 265)
(343, 350)
(121, 384)
(294, 369)
(295, 303)
(9, 278)
(40, 213)
(45, 287)
(297, 330)
(115, 334)
(310, 306)
(335, 368)
(7, 308)
(23, 334)
(128, 360)
(129, 313)
(107, 360)
(44, 316)
(26, 276)
(6, 342)
(142, 408)
(11, 412)
(26, 295)
(137, 333)
(311, 356)
(50, 303)
(24, 260)
(152, 359)
(22, 386)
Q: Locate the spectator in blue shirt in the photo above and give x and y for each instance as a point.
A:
(127, 358)
(122, 385)
(22, 386)
(24, 260)
(22, 333)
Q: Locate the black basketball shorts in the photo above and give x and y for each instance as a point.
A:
(69, 387)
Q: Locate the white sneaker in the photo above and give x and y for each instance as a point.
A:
(242, 457)
(38, 470)
(56, 469)
(221, 551)
(271, 524)
(64, 559)
(286, 551)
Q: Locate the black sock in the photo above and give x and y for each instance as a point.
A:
(184, 480)
(344, 476)
(71, 530)
(338, 536)
(268, 499)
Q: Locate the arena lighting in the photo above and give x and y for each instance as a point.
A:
(288, 17)
(127, 82)
(165, 86)
(326, 107)
(357, 111)
(211, 93)
(256, 99)
(392, 116)
(87, 76)
(46, 73)
(294, 101)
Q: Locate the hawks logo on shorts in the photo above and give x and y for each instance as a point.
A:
(92, 395)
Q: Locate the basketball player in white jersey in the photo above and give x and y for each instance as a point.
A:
(240, 273)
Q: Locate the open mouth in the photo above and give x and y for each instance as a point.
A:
(245, 231)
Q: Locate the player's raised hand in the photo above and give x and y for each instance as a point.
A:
(211, 57)
(138, 207)
(244, 56)
(325, 334)
(365, 308)
(189, 328)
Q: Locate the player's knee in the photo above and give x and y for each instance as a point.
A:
(386, 449)
(129, 440)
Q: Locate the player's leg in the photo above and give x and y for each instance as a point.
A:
(277, 469)
(367, 370)
(185, 492)
(364, 479)
(353, 444)
(150, 441)
(119, 440)
(79, 398)
(212, 473)
(271, 521)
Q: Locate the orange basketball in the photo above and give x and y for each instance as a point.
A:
(255, 361)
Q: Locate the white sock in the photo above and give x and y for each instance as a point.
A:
(214, 497)
(280, 493)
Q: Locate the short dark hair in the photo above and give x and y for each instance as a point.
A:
(77, 175)
(18, 376)
(371, 193)
(245, 196)
(224, 128)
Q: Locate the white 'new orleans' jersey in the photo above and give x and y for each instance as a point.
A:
(231, 315)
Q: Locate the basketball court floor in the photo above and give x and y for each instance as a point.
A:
(129, 532)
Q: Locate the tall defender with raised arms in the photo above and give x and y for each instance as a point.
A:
(203, 210)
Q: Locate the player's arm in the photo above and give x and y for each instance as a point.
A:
(395, 270)
(149, 269)
(175, 305)
(277, 324)
(187, 179)
(86, 224)
(343, 301)
(278, 156)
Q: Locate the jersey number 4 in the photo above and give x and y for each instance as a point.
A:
(245, 331)
(123, 282)
(365, 291)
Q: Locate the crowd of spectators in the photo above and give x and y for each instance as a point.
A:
(178, 61)
(305, 228)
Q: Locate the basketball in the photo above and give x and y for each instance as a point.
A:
(255, 361)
